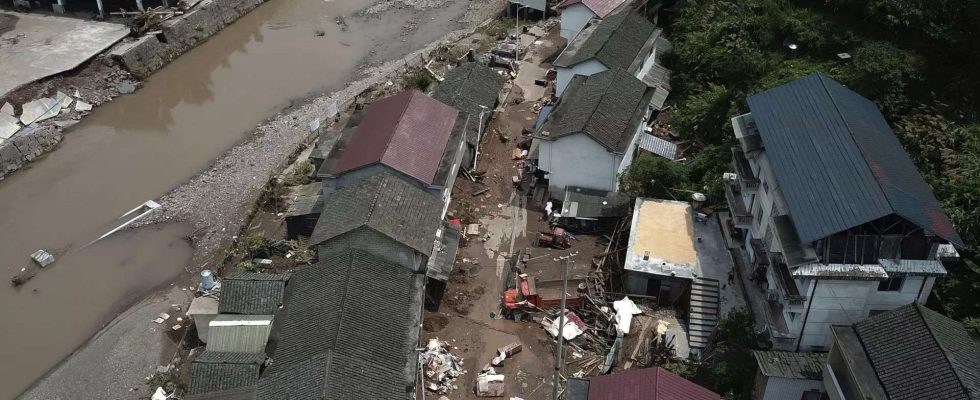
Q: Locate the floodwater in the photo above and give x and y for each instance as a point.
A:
(144, 144)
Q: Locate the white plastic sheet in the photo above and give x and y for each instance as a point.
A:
(625, 310)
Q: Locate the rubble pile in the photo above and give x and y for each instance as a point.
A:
(441, 367)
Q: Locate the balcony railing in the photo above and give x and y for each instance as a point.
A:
(746, 178)
(741, 215)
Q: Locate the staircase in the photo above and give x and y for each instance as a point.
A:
(703, 314)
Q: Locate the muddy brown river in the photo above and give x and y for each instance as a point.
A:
(142, 145)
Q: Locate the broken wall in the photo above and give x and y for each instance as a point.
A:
(144, 56)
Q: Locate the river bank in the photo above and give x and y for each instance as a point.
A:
(192, 122)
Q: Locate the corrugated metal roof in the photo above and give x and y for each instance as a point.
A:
(386, 204)
(658, 146)
(871, 272)
(601, 8)
(615, 41)
(443, 256)
(913, 267)
(838, 163)
(919, 354)
(543, 116)
(646, 384)
(607, 106)
(239, 333)
(252, 293)
(786, 364)
(590, 203)
(408, 132)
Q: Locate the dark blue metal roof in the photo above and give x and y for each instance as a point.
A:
(838, 163)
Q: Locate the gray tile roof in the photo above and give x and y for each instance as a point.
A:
(222, 371)
(252, 293)
(615, 41)
(349, 330)
(919, 354)
(838, 163)
(786, 364)
(385, 204)
(608, 106)
(913, 267)
(466, 88)
(306, 200)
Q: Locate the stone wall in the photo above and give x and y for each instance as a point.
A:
(27, 145)
(144, 56)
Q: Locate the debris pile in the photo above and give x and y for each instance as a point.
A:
(441, 367)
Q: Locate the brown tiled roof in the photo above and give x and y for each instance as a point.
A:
(646, 384)
(408, 132)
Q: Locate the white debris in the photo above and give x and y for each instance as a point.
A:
(441, 367)
(164, 315)
(159, 320)
(82, 106)
(7, 109)
(39, 110)
(625, 310)
(159, 394)
(8, 126)
(63, 99)
(42, 258)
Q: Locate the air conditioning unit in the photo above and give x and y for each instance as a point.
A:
(730, 177)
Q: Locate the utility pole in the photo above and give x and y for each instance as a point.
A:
(566, 260)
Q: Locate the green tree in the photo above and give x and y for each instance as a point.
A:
(703, 114)
(882, 72)
(653, 176)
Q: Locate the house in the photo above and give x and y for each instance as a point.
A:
(408, 135)
(668, 258)
(349, 330)
(305, 209)
(908, 353)
(514, 6)
(440, 265)
(637, 384)
(382, 215)
(587, 209)
(224, 375)
(474, 90)
(623, 40)
(576, 13)
(202, 310)
(252, 293)
(589, 137)
(838, 224)
(788, 375)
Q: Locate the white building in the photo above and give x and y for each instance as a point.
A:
(590, 137)
(838, 224)
(576, 13)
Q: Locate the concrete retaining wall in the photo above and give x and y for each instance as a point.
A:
(143, 56)
(27, 145)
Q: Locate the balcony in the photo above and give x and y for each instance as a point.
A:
(785, 283)
(748, 181)
(740, 215)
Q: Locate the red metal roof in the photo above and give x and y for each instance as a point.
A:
(646, 384)
(408, 132)
(602, 8)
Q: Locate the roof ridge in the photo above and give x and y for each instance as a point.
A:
(382, 182)
(601, 98)
(349, 258)
(918, 311)
(850, 133)
(612, 32)
(408, 104)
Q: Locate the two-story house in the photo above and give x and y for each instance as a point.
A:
(409, 135)
(576, 13)
(590, 136)
(623, 40)
(838, 223)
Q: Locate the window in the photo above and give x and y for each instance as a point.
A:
(891, 285)
(872, 313)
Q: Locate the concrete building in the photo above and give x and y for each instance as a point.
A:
(409, 135)
(680, 262)
(837, 222)
(623, 40)
(788, 375)
(909, 353)
(575, 14)
(384, 216)
(590, 137)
